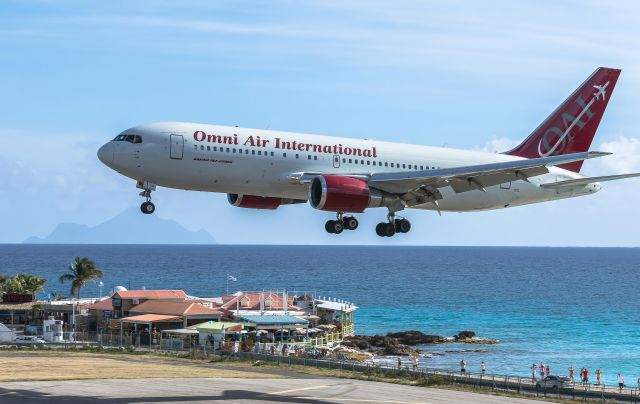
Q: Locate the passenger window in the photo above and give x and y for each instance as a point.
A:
(297, 155)
(309, 157)
(315, 157)
(344, 160)
(355, 161)
(362, 162)
(259, 152)
(246, 151)
(421, 167)
(284, 154)
(253, 152)
(404, 166)
(234, 150)
(215, 148)
(368, 163)
(208, 148)
(196, 146)
(271, 154)
(201, 147)
(350, 161)
(386, 164)
(227, 150)
(391, 164)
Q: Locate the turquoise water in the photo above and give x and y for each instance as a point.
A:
(564, 306)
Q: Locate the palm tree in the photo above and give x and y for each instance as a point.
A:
(3, 283)
(32, 283)
(81, 271)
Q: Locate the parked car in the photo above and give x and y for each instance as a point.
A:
(29, 340)
(555, 382)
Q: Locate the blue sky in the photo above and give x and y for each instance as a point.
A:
(461, 74)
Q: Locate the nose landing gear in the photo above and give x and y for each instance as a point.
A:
(342, 223)
(147, 207)
(393, 226)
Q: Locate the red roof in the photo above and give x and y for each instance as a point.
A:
(251, 301)
(151, 294)
(187, 308)
(105, 304)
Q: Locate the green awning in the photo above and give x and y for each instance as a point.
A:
(217, 327)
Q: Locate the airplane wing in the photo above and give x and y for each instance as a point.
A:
(586, 181)
(418, 187)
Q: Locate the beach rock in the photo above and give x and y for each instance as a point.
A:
(464, 335)
(343, 352)
(416, 338)
(378, 344)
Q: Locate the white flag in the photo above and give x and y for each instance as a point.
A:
(231, 278)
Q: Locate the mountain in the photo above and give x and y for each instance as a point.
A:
(128, 227)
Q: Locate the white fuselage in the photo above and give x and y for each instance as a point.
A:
(261, 162)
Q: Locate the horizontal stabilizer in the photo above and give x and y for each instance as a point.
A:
(588, 180)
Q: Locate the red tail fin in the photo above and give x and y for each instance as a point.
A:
(572, 126)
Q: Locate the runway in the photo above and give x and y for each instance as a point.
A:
(315, 390)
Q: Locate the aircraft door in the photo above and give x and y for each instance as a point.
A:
(177, 147)
(336, 161)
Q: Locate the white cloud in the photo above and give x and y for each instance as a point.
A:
(626, 155)
(499, 144)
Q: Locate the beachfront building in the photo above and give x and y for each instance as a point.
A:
(123, 300)
(187, 311)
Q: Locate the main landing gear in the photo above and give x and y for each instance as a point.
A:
(147, 207)
(393, 226)
(342, 223)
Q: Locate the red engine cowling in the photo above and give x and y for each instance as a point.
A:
(253, 201)
(336, 193)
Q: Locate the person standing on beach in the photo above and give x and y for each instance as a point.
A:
(542, 369)
(399, 362)
(620, 382)
(483, 368)
(414, 361)
(586, 376)
(548, 370)
(598, 376)
(463, 366)
(533, 372)
(571, 374)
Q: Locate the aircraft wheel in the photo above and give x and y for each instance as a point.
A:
(350, 223)
(334, 226)
(329, 226)
(402, 225)
(147, 208)
(380, 229)
(389, 229)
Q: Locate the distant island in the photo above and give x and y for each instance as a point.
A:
(128, 227)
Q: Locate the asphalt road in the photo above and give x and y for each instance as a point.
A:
(294, 390)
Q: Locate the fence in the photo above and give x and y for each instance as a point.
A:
(495, 382)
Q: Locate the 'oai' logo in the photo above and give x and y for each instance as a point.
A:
(555, 140)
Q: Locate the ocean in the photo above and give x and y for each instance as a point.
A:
(564, 306)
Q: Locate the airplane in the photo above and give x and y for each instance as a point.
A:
(264, 169)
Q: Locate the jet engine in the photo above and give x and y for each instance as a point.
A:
(259, 202)
(336, 193)
(253, 201)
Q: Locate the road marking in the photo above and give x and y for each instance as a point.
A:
(277, 393)
(360, 400)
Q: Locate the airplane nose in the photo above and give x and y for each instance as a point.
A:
(105, 153)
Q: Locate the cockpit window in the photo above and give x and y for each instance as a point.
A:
(129, 138)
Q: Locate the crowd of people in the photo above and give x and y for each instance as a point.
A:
(545, 370)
